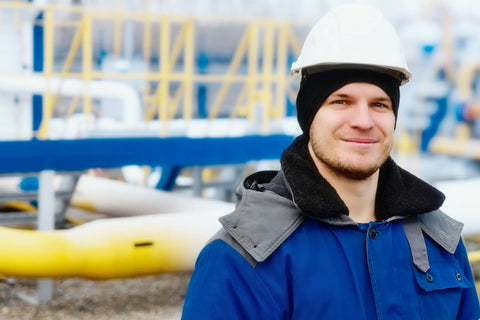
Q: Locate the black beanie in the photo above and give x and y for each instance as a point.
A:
(316, 87)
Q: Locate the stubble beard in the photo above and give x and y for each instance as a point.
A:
(346, 168)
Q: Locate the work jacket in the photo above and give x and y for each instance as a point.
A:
(283, 255)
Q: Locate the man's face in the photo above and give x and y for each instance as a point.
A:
(352, 133)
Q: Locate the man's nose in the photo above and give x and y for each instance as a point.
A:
(361, 116)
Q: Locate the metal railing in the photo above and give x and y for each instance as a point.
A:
(258, 68)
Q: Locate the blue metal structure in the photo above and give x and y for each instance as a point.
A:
(73, 155)
(37, 100)
(435, 121)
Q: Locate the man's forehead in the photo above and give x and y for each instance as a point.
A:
(359, 87)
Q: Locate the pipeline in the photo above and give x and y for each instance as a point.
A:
(35, 84)
(109, 248)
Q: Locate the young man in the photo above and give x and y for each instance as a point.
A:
(340, 232)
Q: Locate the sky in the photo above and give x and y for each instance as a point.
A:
(285, 9)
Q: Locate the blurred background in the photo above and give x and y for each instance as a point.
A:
(122, 119)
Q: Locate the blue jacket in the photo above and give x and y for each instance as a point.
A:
(274, 259)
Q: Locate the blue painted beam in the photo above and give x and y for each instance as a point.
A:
(72, 155)
(37, 100)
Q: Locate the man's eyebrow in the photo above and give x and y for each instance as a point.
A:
(345, 95)
(339, 95)
(383, 98)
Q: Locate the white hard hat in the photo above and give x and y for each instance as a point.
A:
(353, 36)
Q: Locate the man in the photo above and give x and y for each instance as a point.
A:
(340, 232)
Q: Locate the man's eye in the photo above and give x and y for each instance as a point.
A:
(380, 105)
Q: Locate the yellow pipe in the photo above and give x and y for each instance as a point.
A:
(108, 248)
(20, 205)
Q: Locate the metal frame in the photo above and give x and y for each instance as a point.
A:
(82, 154)
(265, 85)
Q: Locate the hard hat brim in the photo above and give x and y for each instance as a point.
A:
(402, 75)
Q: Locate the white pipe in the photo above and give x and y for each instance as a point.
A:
(35, 84)
(462, 202)
(117, 198)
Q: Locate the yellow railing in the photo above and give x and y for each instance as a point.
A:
(264, 84)
(251, 94)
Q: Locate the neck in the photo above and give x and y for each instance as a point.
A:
(358, 195)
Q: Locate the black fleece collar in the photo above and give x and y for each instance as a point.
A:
(399, 193)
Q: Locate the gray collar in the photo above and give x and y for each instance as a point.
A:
(263, 220)
(443, 229)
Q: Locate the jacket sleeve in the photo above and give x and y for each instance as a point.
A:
(225, 286)
(469, 305)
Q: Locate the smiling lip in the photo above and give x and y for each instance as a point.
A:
(361, 141)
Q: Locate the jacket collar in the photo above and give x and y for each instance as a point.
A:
(265, 216)
(262, 219)
(399, 193)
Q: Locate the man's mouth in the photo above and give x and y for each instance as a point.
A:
(360, 140)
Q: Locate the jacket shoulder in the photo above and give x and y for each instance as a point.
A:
(223, 235)
(262, 221)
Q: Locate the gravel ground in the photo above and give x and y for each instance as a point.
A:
(152, 297)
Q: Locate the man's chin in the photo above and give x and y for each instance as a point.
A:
(355, 172)
(358, 174)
